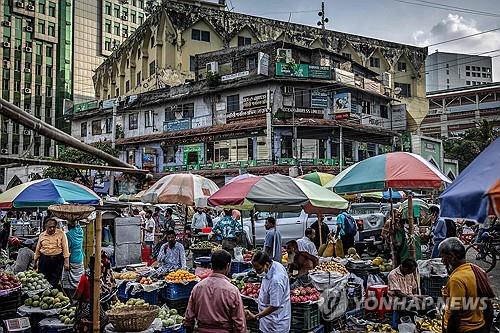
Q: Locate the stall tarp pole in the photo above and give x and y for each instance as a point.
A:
(411, 246)
(320, 218)
(252, 221)
(391, 228)
(97, 274)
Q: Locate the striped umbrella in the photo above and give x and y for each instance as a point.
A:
(181, 188)
(320, 178)
(42, 193)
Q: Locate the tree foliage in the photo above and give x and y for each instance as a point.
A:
(76, 156)
(466, 147)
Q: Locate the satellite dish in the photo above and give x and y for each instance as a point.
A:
(397, 90)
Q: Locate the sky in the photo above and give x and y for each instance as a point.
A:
(396, 20)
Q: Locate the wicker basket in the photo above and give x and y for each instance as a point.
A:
(133, 319)
(71, 212)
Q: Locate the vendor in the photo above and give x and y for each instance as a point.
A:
(299, 264)
(52, 252)
(172, 255)
(402, 241)
(228, 230)
(306, 243)
(25, 257)
(76, 269)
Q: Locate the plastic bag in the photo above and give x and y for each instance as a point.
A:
(329, 250)
(333, 303)
(374, 280)
(339, 249)
(238, 255)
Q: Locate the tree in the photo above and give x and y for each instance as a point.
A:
(466, 147)
(77, 156)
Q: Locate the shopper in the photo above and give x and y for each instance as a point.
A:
(272, 242)
(306, 243)
(169, 223)
(171, 255)
(52, 252)
(467, 285)
(215, 304)
(274, 296)
(76, 270)
(438, 230)
(149, 229)
(25, 257)
(325, 231)
(228, 230)
(346, 230)
(199, 220)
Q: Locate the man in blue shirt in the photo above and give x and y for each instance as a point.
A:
(275, 311)
(272, 242)
(438, 230)
(228, 230)
(171, 255)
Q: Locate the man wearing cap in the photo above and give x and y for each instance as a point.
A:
(25, 257)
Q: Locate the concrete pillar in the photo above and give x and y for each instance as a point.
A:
(254, 148)
(329, 148)
(355, 151)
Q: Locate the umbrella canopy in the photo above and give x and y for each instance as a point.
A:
(242, 176)
(42, 193)
(494, 194)
(466, 197)
(420, 208)
(384, 195)
(182, 188)
(277, 193)
(319, 178)
(397, 170)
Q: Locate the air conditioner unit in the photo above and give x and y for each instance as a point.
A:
(6, 64)
(4, 151)
(27, 132)
(213, 67)
(124, 17)
(19, 4)
(29, 28)
(27, 70)
(287, 90)
(27, 90)
(28, 49)
(6, 44)
(31, 8)
(7, 23)
(284, 54)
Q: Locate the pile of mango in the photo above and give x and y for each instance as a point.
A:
(383, 264)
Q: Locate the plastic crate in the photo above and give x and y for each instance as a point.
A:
(171, 330)
(9, 303)
(305, 317)
(150, 297)
(432, 286)
(177, 291)
(239, 267)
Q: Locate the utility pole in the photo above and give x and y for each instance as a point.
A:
(322, 23)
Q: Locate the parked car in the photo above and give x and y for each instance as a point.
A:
(370, 218)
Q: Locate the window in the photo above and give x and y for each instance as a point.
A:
(152, 68)
(447, 72)
(405, 89)
(48, 71)
(107, 8)
(252, 62)
(141, 4)
(117, 29)
(17, 64)
(152, 42)
(52, 29)
(127, 86)
(38, 111)
(302, 98)
(108, 125)
(467, 68)
(139, 79)
(117, 11)
(484, 75)
(187, 110)
(401, 66)
(200, 35)
(48, 51)
(38, 90)
(447, 65)
(366, 107)
(96, 127)
(133, 121)
(107, 44)
(52, 9)
(133, 16)
(467, 83)
(384, 111)
(41, 26)
(141, 19)
(17, 86)
(107, 26)
(38, 48)
(148, 119)
(83, 129)
(347, 55)
(242, 41)
(48, 91)
(41, 7)
(192, 63)
(5, 84)
(374, 62)
(483, 69)
(448, 81)
(117, 92)
(233, 103)
(467, 73)
(124, 31)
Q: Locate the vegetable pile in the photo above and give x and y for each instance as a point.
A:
(204, 245)
(67, 316)
(170, 318)
(331, 267)
(303, 295)
(50, 299)
(146, 280)
(8, 281)
(251, 290)
(33, 281)
(130, 303)
(180, 276)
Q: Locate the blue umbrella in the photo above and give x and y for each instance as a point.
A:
(466, 196)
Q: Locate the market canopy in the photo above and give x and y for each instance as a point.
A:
(181, 188)
(386, 195)
(420, 208)
(277, 193)
(466, 197)
(42, 193)
(398, 170)
(320, 178)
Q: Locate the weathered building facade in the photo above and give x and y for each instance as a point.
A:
(162, 52)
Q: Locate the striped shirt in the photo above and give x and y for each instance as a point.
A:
(407, 284)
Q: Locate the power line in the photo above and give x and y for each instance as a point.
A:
(438, 6)
(463, 37)
(479, 12)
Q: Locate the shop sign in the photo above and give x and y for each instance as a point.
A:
(342, 116)
(319, 100)
(246, 164)
(233, 164)
(234, 76)
(254, 101)
(398, 117)
(375, 121)
(108, 104)
(320, 72)
(306, 161)
(291, 109)
(263, 64)
(286, 161)
(86, 106)
(148, 160)
(342, 102)
(303, 70)
(263, 162)
(177, 125)
(245, 113)
(327, 161)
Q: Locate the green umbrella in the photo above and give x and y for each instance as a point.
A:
(319, 178)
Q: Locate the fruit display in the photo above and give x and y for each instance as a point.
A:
(8, 281)
(383, 264)
(33, 281)
(4, 259)
(180, 276)
(284, 259)
(239, 283)
(303, 295)
(130, 303)
(125, 276)
(247, 257)
(146, 280)
(50, 299)
(67, 316)
(432, 325)
(380, 328)
(353, 254)
(251, 290)
(331, 267)
(170, 318)
(204, 245)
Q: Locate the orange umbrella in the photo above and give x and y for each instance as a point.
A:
(494, 194)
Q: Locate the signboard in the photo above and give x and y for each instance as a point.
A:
(176, 125)
(246, 113)
(371, 120)
(148, 160)
(398, 117)
(291, 109)
(189, 152)
(342, 103)
(255, 101)
(234, 76)
(303, 70)
(319, 100)
(108, 104)
(342, 116)
(263, 64)
(86, 106)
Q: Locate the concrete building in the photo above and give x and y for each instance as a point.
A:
(453, 111)
(162, 52)
(265, 107)
(455, 70)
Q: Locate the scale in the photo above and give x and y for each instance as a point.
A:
(17, 324)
